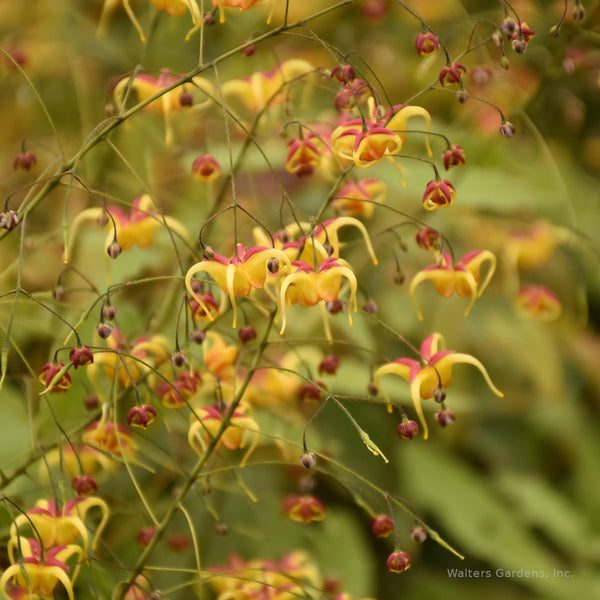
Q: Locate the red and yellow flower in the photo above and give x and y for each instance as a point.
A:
(433, 372)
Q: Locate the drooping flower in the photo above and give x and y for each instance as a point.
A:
(81, 356)
(427, 43)
(54, 526)
(303, 508)
(438, 194)
(135, 227)
(398, 562)
(355, 198)
(382, 525)
(38, 572)
(206, 168)
(183, 95)
(462, 278)
(538, 302)
(454, 156)
(141, 416)
(239, 4)
(307, 286)
(303, 155)
(432, 373)
(206, 422)
(237, 276)
(452, 74)
(54, 377)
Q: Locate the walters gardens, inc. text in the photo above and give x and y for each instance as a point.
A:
(507, 574)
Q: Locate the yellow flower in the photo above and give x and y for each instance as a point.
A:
(462, 278)
(237, 276)
(433, 372)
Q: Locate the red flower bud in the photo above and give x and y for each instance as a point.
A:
(329, 365)
(247, 334)
(141, 416)
(408, 429)
(427, 44)
(445, 417)
(84, 486)
(398, 562)
(303, 508)
(382, 525)
(419, 534)
(81, 356)
(24, 160)
(454, 157)
(451, 74)
(343, 73)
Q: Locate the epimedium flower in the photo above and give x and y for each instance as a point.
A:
(54, 526)
(451, 74)
(237, 276)
(206, 168)
(433, 372)
(54, 377)
(538, 302)
(429, 239)
(367, 141)
(464, 277)
(382, 525)
(454, 157)
(141, 416)
(146, 86)
(81, 356)
(264, 88)
(206, 422)
(111, 438)
(303, 508)
(398, 562)
(303, 155)
(174, 394)
(24, 160)
(356, 198)
(135, 227)
(239, 4)
(308, 287)
(209, 307)
(427, 43)
(438, 193)
(38, 572)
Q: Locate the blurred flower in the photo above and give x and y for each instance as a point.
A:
(462, 278)
(303, 508)
(408, 429)
(240, 4)
(24, 160)
(355, 198)
(181, 96)
(538, 302)
(454, 157)
(206, 422)
(206, 168)
(303, 155)
(141, 416)
(452, 74)
(433, 372)
(427, 44)
(382, 526)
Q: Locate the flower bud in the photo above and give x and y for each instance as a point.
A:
(24, 160)
(519, 46)
(273, 265)
(145, 535)
(462, 96)
(208, 18)
(308, 460)
(81, 356)
(554, 31)
(329, 365)
(186, 99)
(108, 312)
(198, 336)
(507, 129)
(58, 293)
(178, 358)
(334, 307)
(91, 402)
(178, 542)
(454, 157)
(508, 26)
(505, 63)
(343, 73)
(114, 249)
(427, 44)
(408, 429)
(419, 534)
(370, 307)
(497, 38)
(141, 416)
(398, 562)
(221, 528)
(382, 526)
(311, 392)
(578, 12)
(9, 220)
(248, 50)
(439, 394)
(247, 334)
(103, 330)
(84, 485)
(445, 417)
